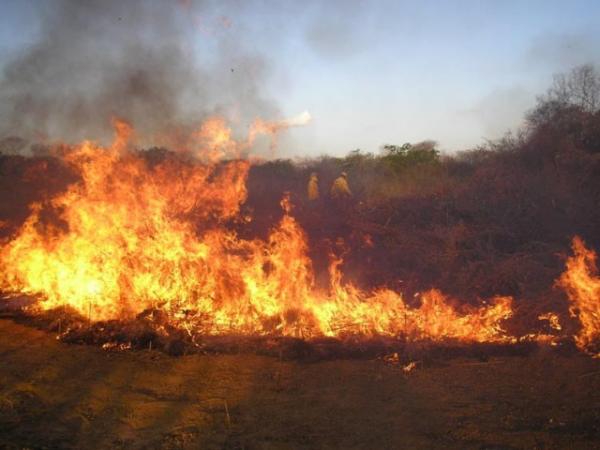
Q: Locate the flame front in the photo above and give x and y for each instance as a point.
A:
(136, 236)
(582, 284)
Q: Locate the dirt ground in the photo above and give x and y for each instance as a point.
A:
(56, 395)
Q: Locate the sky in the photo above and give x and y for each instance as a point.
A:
(369, 72)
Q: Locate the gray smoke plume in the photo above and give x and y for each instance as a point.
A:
(153, 63)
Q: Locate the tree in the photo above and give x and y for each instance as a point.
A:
(581, 87)
(400, 157)
(391, 150)
(576, 91)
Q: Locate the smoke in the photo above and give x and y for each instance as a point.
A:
(500, 111)
(151, 63)
(557, 52)
(332, 39)
(338, 35)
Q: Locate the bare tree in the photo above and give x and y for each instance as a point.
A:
(580, 87)
(571, 93)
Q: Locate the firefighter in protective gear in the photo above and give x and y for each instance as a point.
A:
(313, 187)
(340, 188)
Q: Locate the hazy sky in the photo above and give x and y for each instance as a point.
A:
(374, 72)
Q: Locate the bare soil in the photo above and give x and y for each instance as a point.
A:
(57, 395)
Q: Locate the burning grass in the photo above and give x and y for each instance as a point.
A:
(139, 251)
(137, 239)
(153, 330)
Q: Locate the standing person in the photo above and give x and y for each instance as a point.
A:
(340, 189)
(313, 187)
(341, 197)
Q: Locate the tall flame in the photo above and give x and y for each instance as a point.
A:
(582, 284)
(136, 236)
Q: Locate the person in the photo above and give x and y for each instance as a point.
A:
(340, 189)
(313, 187)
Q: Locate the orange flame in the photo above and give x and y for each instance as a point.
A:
(272, 128)
(140, 236)
(582, 284)
(214, 142)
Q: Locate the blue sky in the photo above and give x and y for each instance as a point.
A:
(375, 72)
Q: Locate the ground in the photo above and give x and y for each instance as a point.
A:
(57, 395)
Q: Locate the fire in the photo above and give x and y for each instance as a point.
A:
(582, 284)
(272, 128)
(136, 236)
(214, 141)
(553, 320)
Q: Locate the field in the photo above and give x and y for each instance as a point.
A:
(56, 395)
